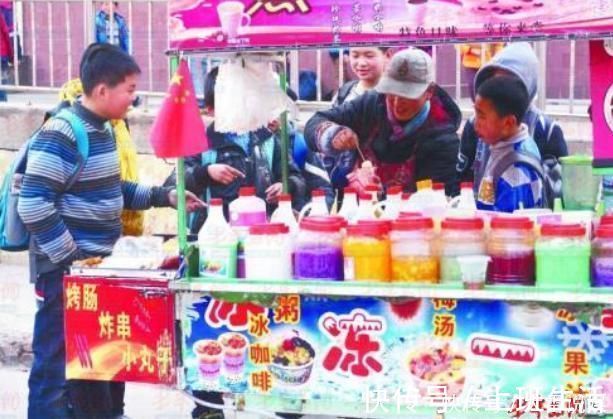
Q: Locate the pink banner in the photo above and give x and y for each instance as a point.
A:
(601, 84)
(257, 24)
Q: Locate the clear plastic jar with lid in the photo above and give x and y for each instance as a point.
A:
(414, 256)
(511, 250)
(459, 237)
(366, 250)
(602, 257)
(318, 253)
(563, 257)
(268, 252)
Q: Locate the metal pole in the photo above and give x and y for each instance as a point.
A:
(68, 39)
(541, 52)
(50, 34)
(458, 73)
(318, 75)
(33, 25)
(571, 81)
(294, 69)
(17, 17)
(284, 134)
(181, 212)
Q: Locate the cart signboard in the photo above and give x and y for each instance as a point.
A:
(119, 330)
(286, 24)
(396, 354)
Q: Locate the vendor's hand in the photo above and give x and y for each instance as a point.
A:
(345, 139)
(192, 202)
(224, 174)
(360, 178)
(273, 192)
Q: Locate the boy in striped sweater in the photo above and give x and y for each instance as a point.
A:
(78, 222)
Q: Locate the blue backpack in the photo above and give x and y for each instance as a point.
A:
(14, 236)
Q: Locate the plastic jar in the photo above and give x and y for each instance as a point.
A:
(414, 256)
(318, 251)
(602, 257)
(366, 250)
(563, 257)
(511, 251)
(268, 252)
(459, 237)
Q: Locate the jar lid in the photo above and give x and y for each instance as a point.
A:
(350, 189)
(512, 223)
(284, 197)
(320, 224)
(606, 219)
(409, 214)
(364, 196)
(438, 186)
(563, 230)
(330, 218)
(394, 190)
(266, 229)
(406, 196)
(372, 188)
(216, 202)
(415, 223)
(317, 193)
(370, 229)
(462, 224)
(387, 224)
(466, 185)
(246, 191)
(605, 231)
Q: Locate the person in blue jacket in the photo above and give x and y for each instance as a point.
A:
(516, 60)
(120, 35)
(507, 180)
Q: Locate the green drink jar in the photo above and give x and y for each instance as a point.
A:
(563, 257)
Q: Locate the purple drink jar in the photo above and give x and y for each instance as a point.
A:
(318, 252)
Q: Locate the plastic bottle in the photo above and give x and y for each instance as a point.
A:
(427, 200)
(350, 207)
(245, 211)
(366, 208)
(317, 207)
(284, 214)
(393, 203)
(218, 244)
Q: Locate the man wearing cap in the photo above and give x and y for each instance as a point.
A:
(407, 127)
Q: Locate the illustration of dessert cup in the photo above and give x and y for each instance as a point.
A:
(234, 347)
(440, 366)
(292, 361)
(209, 354)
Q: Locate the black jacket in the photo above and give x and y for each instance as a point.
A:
(434, 146)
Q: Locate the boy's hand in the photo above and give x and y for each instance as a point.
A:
(345, 139)
(192, 202)
(224, 174)
(273, 192)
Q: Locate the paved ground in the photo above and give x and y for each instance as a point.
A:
(16, 319)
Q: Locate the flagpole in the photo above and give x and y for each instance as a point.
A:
(284, 132)
(180, 172)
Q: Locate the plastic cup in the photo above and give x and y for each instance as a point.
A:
(473, 271)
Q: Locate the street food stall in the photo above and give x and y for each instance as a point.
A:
(337, 339)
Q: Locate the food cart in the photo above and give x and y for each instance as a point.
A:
(369, 349)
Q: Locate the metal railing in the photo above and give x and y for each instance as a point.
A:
(51, 35)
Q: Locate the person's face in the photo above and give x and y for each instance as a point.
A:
(114, 102)
(490, 126)
(367, 63)
(405, 109)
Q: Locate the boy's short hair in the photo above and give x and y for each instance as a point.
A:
(209, 87)
(107, 64)
(507, 94)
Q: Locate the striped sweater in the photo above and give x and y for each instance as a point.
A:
(84, 220)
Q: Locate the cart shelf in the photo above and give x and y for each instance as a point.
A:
(374, 289)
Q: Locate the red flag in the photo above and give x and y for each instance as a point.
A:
(178, 130)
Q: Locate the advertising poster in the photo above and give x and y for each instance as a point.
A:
(245, 24)
(119, 330)
(497, 356)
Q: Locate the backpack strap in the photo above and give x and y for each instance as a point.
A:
(82, 140)
(344, 91)
(513, 157)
